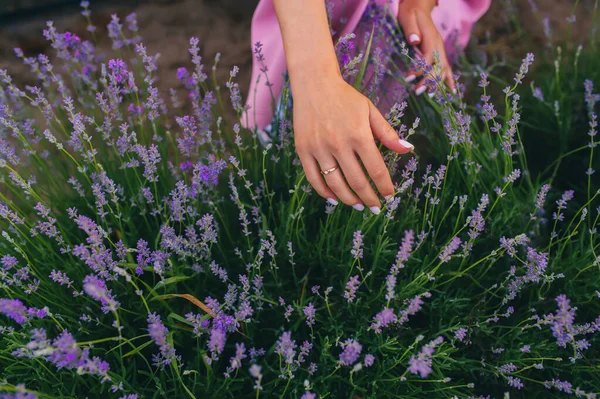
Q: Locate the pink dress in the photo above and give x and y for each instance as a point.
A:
(453, 18)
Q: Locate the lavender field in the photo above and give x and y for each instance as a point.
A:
(153, 247)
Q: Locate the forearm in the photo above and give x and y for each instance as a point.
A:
(308, 45)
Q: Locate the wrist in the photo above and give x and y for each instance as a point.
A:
(313, 75)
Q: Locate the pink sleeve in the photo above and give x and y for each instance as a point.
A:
(457, 17)
(260, 103)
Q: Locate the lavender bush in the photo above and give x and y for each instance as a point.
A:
(152, 248)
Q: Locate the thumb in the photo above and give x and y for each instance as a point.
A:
(410, 27)
(386, 133)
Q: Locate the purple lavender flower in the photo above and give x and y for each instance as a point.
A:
(20, 394)
(8, 262)
(309, 395)
(256, 353)
(536, 265)
(567, 387)
(538, 93)
(114, 32)
(369, 360)
(414, 305)
(450, 249)
(199, 76)
(561, 386)
(351, 352)
(159, 334)
(590, 97)
(357, 244)
(96, 288)
(61, 278)
(63, 352)
(207, 175)
(236, 361)
(507, 368)
(527, 61)
(562, 204)
(460, 334)
(216, 342)
(484, 82)
(390, 283)
(309, 311)
(383, 319)
(286, 347)
(562, 322)
(351, 287)
(421, 364)
(131, 20)
(401, 257)
(513, 176)
(255, 372)
(199, 323)
(344, 48)
(14, 309)
(218, 271)
(118, 69)
(515, 382)
(405, 248)
(150, 158)
(304, 351)
(510, 244)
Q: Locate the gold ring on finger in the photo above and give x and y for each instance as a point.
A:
(328, 171)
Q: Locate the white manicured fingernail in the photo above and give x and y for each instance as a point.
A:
(431, 94)
(375, 209)
(332, 201)
(359, 207)
(414, 38)
(454, 91)
(406, 144)
(388, 197)
(410, 78)
(420, 90)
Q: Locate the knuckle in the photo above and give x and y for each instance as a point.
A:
(358, 184)
(356, 140)
(378, 173)
(334, 145)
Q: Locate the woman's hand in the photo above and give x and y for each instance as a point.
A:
(416, 22)
(335, 126)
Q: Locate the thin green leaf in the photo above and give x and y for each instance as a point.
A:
(171, 280)
(363, 68)
(136, 350)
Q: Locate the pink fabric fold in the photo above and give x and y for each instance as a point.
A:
(453, 18)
